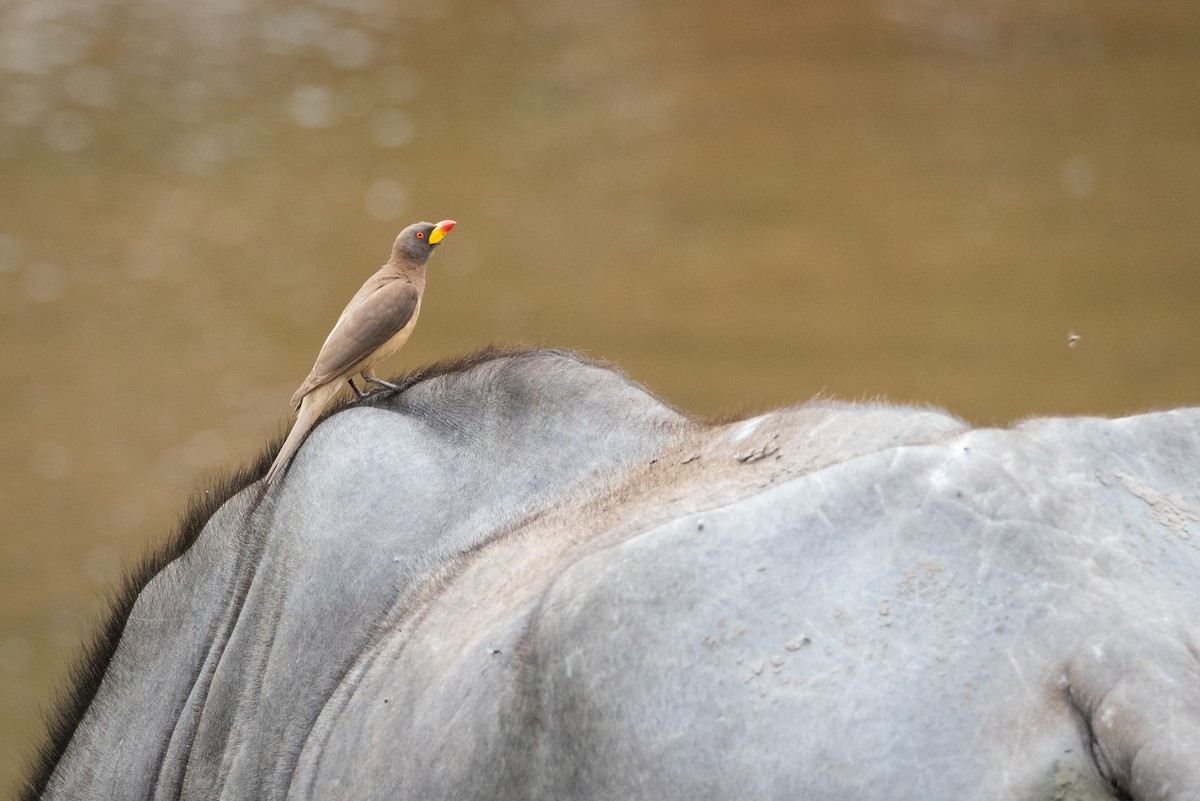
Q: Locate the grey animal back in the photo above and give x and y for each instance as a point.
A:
(529, 578)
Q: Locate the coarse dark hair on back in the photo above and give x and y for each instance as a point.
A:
(460, 364)
(86, 674)
(463, 363)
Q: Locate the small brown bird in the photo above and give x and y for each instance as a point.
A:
(375, 324)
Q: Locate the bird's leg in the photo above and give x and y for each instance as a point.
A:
(357, 392)
(379, 382)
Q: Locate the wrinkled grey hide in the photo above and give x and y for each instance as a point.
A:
(530, 579)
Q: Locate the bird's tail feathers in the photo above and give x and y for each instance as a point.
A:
(312, 406)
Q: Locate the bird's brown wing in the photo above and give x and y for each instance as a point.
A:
(362, 329)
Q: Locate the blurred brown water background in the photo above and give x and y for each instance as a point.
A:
(742, 205)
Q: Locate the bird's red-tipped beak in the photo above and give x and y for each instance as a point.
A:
(440, 230)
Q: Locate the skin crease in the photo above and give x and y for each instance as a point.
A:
(376, 323)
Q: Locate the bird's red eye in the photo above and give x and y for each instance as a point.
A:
(420, 235)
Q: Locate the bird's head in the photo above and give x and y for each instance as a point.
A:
(418, 240)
